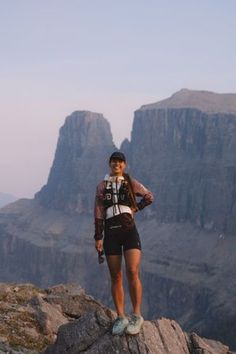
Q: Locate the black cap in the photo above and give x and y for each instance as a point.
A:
(117, 155)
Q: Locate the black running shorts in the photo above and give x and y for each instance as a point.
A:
(120, 231)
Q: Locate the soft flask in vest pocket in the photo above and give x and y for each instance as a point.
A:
(123, 195)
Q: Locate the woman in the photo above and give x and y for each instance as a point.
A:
(115, 205)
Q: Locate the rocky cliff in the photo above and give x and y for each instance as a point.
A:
(184, 148)
(63, 319)
(182, 151)
(81, 157)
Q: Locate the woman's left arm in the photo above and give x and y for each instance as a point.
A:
(141, 191)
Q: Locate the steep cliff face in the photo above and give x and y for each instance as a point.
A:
(81, 157)
(188, 158)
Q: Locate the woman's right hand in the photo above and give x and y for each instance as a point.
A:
(99, 245)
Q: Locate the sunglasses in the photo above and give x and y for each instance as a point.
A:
(101, 258)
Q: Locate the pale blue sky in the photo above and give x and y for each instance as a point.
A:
(106, 56)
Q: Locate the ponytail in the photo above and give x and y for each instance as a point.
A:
(131, 192)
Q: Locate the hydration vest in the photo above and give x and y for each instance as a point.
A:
(121, 196)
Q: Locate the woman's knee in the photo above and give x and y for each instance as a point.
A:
(116, 277)
(132, 273)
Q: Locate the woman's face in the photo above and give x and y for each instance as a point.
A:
(117, 167)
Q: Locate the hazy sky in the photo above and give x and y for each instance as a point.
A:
(58, 56)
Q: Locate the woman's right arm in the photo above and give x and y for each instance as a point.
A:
(99, 212)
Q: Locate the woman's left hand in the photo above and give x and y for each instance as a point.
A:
(99, 245)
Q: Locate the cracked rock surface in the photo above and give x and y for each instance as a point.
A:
(30, 317)
(91, 334)
(64, 319)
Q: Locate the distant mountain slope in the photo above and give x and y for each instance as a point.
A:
(6, 199)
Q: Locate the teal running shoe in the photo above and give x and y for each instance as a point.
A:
(135, 324)
(119, 325)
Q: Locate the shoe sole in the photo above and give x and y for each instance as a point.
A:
(132, 334)
(120, 333)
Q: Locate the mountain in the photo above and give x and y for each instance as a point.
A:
(188, 157)
(185, 153)
(6, 199)
(84, 144)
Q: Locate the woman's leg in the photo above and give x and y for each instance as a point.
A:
(132, 263)
(117, 290)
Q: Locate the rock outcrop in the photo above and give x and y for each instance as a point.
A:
(81, 157)
(63, 319)
(91, 334)
(30, 317)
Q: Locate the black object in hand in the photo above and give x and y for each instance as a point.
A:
(101, 259)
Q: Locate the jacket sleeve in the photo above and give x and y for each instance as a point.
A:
(141, 191)
(99, 212)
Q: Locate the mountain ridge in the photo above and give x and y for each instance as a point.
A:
(6, 198)
(206, 101)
